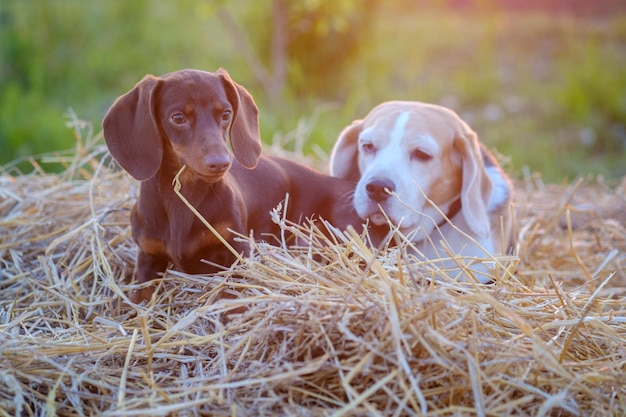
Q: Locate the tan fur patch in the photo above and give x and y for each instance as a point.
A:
(447, 187)
(153, 247)
(210, 239)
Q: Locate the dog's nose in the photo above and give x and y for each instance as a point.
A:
(379, 189)
(217, 164)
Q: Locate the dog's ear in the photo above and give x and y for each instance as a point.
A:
(131, 132)
(344, 159)
(476, 187)
(245, 138)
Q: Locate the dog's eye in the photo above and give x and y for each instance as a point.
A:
(420, 155)
(227, 115)
(178, 118)
(368, 147)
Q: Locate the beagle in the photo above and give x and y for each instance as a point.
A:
(422, 169)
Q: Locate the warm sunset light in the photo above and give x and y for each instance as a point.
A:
(550, 69)
(345, 208)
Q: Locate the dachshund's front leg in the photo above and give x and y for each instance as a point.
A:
(147, 268)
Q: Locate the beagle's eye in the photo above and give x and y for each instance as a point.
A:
(420, 155)
(368, 147)
(178, 118)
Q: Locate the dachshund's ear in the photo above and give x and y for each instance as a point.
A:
(245, 138)
(476, 186)
(344, 159)
(131, 132)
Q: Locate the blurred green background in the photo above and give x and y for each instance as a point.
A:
(543, 82)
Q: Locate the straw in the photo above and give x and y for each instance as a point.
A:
(333, 327)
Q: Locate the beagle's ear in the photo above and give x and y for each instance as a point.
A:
(344, 159)
(476, 187)
(131, 131)
(245, 138)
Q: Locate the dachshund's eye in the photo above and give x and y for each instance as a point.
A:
(368, 147)
(227, 115)
(420, 155)
(178, 118)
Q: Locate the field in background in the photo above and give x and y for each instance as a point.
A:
(544, 87)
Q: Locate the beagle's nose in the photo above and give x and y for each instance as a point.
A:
(217, 164)
(379, 189)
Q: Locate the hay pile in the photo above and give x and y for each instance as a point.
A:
(345, 333)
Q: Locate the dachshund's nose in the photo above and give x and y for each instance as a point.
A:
(217, 164)
(379, 189)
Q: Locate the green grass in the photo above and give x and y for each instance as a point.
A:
(547, 91)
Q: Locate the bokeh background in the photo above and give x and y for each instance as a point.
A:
(541, 81)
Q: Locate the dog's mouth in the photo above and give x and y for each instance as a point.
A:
(208, 169)
(210, 178)
(412, 231)
(383, 216)
(206, 176)
(377, 213)
(377, 217)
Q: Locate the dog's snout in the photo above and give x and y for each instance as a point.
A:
(217, 164)
(379, 189)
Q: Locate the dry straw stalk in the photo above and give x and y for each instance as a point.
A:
(332, 328)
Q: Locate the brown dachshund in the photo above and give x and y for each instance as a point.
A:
(188, 118)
